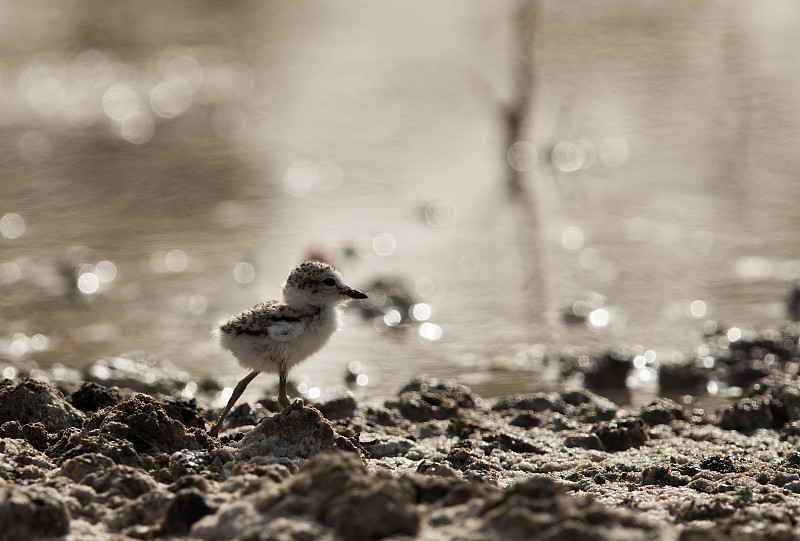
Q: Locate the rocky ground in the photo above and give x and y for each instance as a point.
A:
(130, 459)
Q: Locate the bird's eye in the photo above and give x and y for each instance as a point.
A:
(329, 282)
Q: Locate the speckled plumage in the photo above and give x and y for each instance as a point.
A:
(274, 336)
(257, 320)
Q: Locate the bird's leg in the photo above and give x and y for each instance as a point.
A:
(283, 399)
(237, 392)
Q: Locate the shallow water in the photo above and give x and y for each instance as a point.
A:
(199, 153)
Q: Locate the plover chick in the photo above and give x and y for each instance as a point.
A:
(276, 335)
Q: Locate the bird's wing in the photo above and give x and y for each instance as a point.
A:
(282, 331)
(273, 319)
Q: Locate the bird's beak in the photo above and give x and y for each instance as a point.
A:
(354, 293)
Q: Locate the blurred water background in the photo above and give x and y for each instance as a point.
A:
(165, 164)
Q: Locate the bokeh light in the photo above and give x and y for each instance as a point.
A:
(79, 91)
(191, 303)
(599, 318)
(697, 309)
(303, 176)
(106, 271)
(20, 345)
(421, 311)
(10, 272)
(522, 156)
(88, 283)
(43, 84)
(12, 225)
(441, 214)
(430, 331)
(176, 260)
(572, 238)
(170, 98)
(172, 261)
(384, 244)
(392, 318)
(244, 272)
(568, 156)
(178, 63)
(138, 129)
(39, 342)
(120, 102)
(189, 391)
(356, 369)
(300, 177)
(734, 334)
(754, 267)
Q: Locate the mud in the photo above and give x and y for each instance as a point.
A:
(105, 462)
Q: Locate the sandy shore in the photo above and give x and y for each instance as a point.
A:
(89, 461)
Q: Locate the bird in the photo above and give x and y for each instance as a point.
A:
(274, 336)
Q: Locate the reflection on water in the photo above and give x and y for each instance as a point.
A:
(163, 172)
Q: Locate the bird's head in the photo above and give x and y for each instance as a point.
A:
(313, 283)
